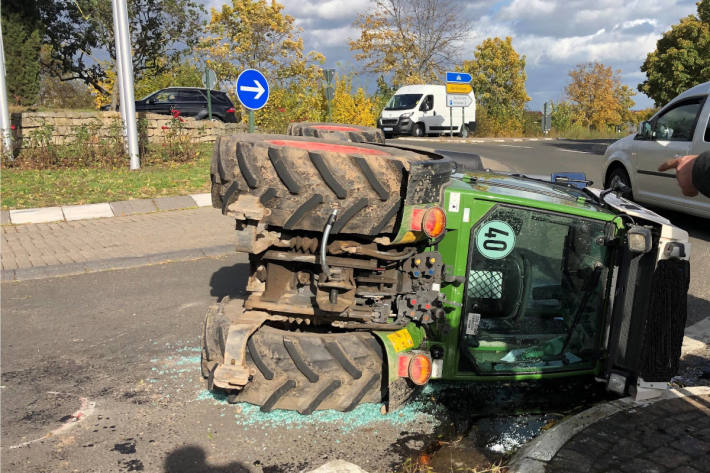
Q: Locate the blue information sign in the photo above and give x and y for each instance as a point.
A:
(458, 77)
(252, 89)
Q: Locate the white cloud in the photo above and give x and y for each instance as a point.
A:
(332, 37)
(327, 10)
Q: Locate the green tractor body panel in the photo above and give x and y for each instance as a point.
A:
(466, 201)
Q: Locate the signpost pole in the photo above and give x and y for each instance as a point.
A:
(251, 121)
(463, 118)
(451, 122)
(209, 95)
(329, 74)
(209, 104)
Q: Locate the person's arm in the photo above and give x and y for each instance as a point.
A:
(692, 173)
(701, 173)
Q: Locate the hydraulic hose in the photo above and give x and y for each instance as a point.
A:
(408, 253)
(324, 242)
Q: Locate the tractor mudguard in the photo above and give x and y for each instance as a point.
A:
(399, 389)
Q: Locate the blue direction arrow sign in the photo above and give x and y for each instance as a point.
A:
(458, 77)
(252, 89)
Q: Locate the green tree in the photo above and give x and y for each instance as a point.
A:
(411, 40)
(21, 34)
(184, 74)
(562, 116)
(56, 93)
(599, 98)
(681, 59)
(80, 31)
(498, 73)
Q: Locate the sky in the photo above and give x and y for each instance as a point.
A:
(554, 35)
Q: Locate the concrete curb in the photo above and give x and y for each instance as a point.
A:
(68, 213)
(534, 456)
(73, 269)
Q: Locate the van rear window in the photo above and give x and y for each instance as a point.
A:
(403, 102)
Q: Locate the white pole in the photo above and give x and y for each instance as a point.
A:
(4, 110)
(119, 76)
(126, 71)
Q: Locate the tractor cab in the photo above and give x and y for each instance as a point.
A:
(533, 293)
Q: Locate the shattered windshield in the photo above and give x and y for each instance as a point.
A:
(534, 290)
(403, 101)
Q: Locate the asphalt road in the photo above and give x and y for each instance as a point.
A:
(112, 358)
(122, 347)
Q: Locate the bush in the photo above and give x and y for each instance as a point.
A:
(88, 149)
(177, 145)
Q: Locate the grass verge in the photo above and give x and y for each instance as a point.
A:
(32, 188)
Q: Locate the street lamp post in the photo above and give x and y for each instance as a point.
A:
(4, 109)
(125, 69)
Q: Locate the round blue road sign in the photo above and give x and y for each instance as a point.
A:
(252, 89)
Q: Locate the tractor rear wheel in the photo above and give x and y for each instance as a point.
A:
(301, 371)
(337, 131)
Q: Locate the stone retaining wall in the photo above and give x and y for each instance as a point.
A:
(62, 126)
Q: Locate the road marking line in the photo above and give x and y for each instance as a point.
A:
(86, 409)
(517, 146)
(575, 151)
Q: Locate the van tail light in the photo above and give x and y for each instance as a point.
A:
(431, 221)
(231, 110)
(415, 366)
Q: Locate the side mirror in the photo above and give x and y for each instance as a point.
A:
(644, 131)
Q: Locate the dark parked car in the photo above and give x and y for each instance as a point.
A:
(190, 101)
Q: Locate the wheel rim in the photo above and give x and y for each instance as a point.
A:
(418, 130)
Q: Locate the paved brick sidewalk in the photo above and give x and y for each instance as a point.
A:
(668, 436)
(46, 249)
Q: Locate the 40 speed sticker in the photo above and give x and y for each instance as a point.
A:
(495, 239)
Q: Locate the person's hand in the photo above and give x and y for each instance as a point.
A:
(683, 173)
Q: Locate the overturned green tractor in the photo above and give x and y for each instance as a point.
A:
(375, 269)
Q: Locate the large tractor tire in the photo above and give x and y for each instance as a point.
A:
(337, 131)
(301, 371)
(301, 180)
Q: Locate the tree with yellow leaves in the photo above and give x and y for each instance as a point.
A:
(358, 109)
(498, 73)
(598, 97)
(255, 34)
(411, 40)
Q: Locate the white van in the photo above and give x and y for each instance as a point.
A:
(419, 110)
